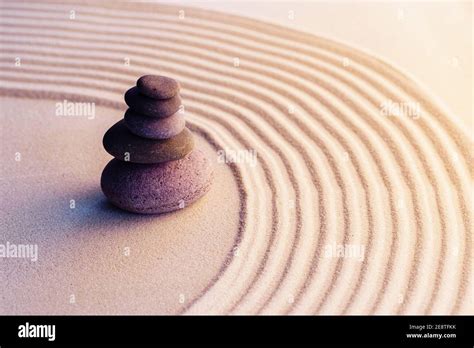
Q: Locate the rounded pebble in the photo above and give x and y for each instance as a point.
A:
(126, 146)
(152, 107)
(158, 87)
(157, 188)
(152, 127)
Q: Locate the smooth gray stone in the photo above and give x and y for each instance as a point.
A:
(126, 146)
(152, 127)
(157, 188)
(151, 107)
(158, 87)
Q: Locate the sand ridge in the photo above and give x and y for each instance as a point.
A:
(333, 169)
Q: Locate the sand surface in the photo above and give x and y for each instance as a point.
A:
(111, 261)
(350, 209)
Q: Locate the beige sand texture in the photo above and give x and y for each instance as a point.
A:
(332, 170)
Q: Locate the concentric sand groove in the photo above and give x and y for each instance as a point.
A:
(337, 147)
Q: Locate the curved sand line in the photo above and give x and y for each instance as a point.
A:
(412, 276)
(406, 173)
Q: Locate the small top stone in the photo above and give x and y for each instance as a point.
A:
(158, 87)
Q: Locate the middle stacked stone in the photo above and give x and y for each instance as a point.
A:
(153, 129)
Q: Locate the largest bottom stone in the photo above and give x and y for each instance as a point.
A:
(157, 188)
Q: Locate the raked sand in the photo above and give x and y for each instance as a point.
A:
(334, 169)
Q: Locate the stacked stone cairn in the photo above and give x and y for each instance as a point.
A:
(156, 167)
